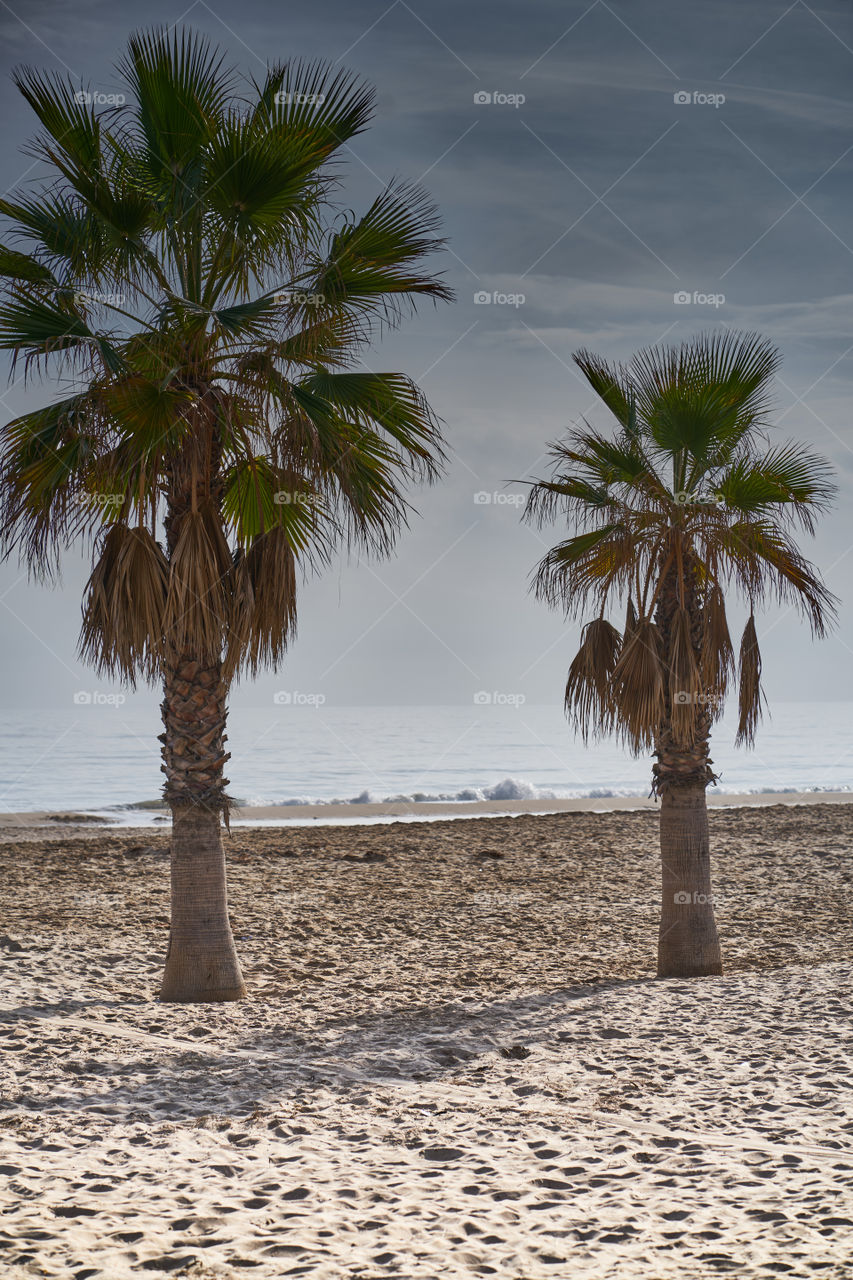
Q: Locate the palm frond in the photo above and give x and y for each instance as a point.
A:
(69, 237)
(717, 653)
(197, 601)
(47, 467)
(750, 696)
(181, 84)
(684, 678)
(23, 267)
(584, 568)
(611, 385)
(125, 605)
(589, 695)
(322, 105)
(373, 264)
(638, 687)
(390, 403)
(263, 619)
(782, 480)
(764, 562)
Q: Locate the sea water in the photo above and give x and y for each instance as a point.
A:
(97, 757)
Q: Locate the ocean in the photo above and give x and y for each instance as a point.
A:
(105, 758)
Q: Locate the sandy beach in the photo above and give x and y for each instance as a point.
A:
(455, 1059)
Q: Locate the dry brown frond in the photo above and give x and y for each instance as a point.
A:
(684, 678)
(717, 657)
(124, 608)
(589, 696)
(264, 619)
(197, 602)
(751, 697)
(240, 616)
(630, 618)
(638, 686)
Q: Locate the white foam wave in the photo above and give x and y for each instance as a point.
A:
(518, 789)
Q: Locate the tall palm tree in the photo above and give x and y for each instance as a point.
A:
(186, 266)
(687, 501)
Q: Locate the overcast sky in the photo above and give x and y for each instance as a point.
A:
(597, 200)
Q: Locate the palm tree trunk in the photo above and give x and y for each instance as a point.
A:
(688, 945)
(201, 963)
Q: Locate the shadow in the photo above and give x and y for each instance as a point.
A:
(30, 1012)
(172, 1077)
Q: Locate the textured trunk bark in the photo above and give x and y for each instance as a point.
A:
(688, 946)
(201, 963)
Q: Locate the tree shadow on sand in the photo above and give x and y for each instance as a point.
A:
(178, 1078)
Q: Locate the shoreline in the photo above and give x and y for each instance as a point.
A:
(404, 811)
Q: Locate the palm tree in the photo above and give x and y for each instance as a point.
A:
(687, 501)
(187, 266)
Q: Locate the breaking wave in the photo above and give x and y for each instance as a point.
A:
(513, 789)
(506, 789)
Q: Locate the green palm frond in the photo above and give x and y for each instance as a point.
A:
(787, 480)
(610, 384)
(390, 403)
(24, 268)
(765, 563)
(325, 107)
(181, 85)
(47, 469)
(71, 141)
(699, 400)
(67, 234)
(372, 263)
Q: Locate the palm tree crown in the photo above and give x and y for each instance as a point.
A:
(687, 500)
(185, 263)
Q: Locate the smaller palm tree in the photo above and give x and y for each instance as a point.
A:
(686, 502)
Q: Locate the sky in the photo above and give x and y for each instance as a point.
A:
(610, 175)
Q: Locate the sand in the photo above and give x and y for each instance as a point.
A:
(455, 1060)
